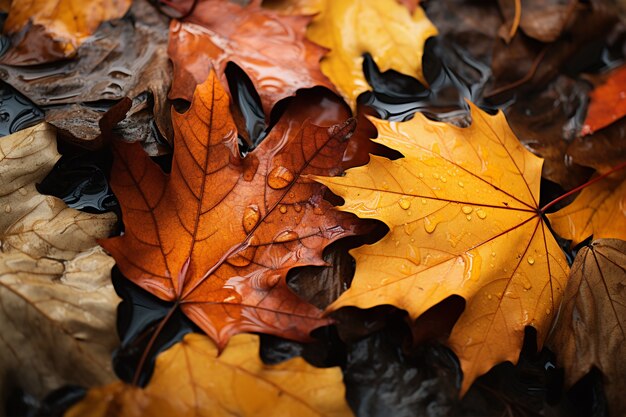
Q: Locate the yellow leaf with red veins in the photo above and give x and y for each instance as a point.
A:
(384, 28)
(236, 382)
(462, 209)
(49, 30)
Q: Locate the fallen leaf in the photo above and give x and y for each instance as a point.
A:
(125, 58)
(272, 49)
(608, 102)
(590, 331)
(57, 302)
(234, 382)
(219, 234)
(462, 208)
(385, 29)
(44, 31)
(598, 210)
(543, 20)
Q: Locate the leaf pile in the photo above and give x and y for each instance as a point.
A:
(312, 207)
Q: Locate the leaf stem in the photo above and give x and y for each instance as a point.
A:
(585, 185)
(144, 355)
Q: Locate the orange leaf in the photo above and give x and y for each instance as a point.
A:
(271, 49)
(233, 383)
(218, 234)
(591, 331)
(49, 30)
(462, 209)
(608, 102)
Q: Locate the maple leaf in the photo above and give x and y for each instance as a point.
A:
(598, 210)
(219, 234)
(590, 331)
(48, 261)
(44, 31)
(234, 382)
(462, 208)
(271, 49)
(385, 29)
(607, 102)
(125, 59)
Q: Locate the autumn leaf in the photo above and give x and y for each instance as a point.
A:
(57, 302)
(462, 209)
(124, 59)
(540, 19)
(590, 331)
(385, 29)
(234, 382)
(44, 31)
(271, 49)
(608, 102)
(219, 234)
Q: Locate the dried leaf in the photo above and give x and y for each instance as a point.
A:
(219, 234)
(543, 20)
(271, 49)
(44, 31)
(590, 332)
(233, 383)
(394, 37)
(598, 210)
(608, 102)
(57, 302)
(462, 206)
(125, 58)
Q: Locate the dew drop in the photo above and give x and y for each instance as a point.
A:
(527, 284)
(286, 236)
(404, 203)
(444, 179)
(292, 194)
(279, 177)
(429, 224)
(297, 207)
(405, 269)
(531, 260)
(244, 256)
(282, 209)
(466, 209)
(461, 184)
(424, 201)
(468, 217)
(318, 210)
(481, 214)
(435, 175)
(22, 191)
(421, 175)
(385, 185)
(251, 217)
(489, 296)
(7, 208)
(548, 311)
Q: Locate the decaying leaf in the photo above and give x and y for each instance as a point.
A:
(234, 382)
(272, 49)
(385, 29)
(599, 210)
(219, 234)
(462, 208)
(592, 320)
(44, 31)
(125, 58)
(57, 302)
(608, 102)
(543, 20)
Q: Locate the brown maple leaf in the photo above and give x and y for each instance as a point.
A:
(271, 49)
(218, 235)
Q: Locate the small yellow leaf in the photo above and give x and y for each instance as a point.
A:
(190, 379)
(462, 209)
(384, 28)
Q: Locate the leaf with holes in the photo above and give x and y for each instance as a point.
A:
(462, 208)
(218, 235)
(592, 321)
(235, 382)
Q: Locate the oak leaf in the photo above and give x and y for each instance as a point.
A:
(607, 102)
(592, 320)
(234, 382)
(462, 208)
(218, 235)
(394, 37)
(271, 49)
(44, 31)
(57, 302)
(598, 210)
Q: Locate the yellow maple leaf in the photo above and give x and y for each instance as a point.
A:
(599, 210)
(462, 209)
(233, 383)
(349, 28)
